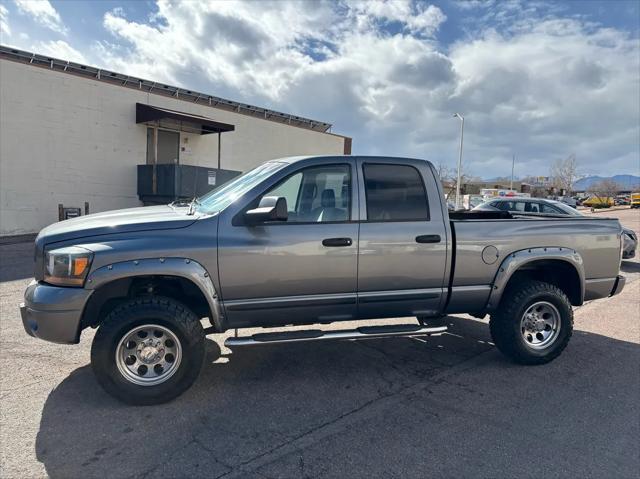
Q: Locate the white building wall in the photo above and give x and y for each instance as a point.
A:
(68, 139)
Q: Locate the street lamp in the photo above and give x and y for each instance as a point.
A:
(513, 165)
(461, 118)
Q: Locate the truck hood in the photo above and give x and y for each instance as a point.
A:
(148, 218)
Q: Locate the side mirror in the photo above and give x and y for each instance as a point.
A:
(271, 208)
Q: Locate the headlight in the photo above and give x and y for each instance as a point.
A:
(67, 266)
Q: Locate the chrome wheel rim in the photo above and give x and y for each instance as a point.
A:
(540, 325)
(148, 355)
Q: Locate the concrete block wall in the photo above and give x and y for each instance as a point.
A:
(68, 139)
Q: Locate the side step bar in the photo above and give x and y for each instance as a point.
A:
(366, 332)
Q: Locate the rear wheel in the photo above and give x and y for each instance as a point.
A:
(148, 350)
(533, 323)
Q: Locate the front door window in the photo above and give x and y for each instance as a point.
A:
(317, 195)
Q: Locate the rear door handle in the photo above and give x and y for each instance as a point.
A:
(336, 242)
(428, 239)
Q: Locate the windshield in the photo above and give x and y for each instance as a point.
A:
(566, 208)
(486, 205)
(219, 199)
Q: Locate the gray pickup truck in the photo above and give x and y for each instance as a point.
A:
(301, 241)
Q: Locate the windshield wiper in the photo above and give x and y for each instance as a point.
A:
(192, 206)
(180, 202)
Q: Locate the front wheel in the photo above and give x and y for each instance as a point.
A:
(148, 350)
(533, 323)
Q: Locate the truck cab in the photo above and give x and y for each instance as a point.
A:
(353, 244)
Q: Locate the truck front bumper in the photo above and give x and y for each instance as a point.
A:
(53, 313)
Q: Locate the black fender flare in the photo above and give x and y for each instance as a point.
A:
(516, 260)
(181, 267)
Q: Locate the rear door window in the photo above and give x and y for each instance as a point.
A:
(519, 206)
(545, 208)
(395, 193)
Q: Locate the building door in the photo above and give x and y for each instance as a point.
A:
(168, 147)
(163, 147)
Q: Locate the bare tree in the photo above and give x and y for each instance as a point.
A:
(449, 178)
(564, 173)
(444, 172)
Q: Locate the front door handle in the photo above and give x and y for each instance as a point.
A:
(336, 242)
(428, 239)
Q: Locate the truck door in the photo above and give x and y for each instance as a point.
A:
(403, 240)
(300, 270)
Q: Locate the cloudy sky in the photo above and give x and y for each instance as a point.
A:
(537, 79)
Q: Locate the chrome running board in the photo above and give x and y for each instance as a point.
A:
(365, 332)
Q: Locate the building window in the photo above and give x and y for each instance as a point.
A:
(163, 146)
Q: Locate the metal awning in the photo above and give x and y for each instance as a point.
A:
(177, 120)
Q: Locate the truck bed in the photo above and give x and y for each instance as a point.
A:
(500, 234)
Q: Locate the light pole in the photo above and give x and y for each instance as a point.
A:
(461, 118)
(513, 165)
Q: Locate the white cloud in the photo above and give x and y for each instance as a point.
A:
(427, 20)
(552, 90)
(5, 30)
(60, 49)
(418, 18)
(550, 87)
(43, 13)
(260, 48)
(538, 85)
(234, 43)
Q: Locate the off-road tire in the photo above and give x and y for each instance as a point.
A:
(165, 312)
(505, 322)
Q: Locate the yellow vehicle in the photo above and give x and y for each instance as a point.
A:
(635, 200)
(595, 201)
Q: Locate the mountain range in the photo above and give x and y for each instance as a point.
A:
(626, 182)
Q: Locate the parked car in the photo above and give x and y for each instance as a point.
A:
(569, 201)
(542, 206)
(595, 201)
(526, 205)
(308, 240)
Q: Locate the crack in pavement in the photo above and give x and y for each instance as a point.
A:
(150, 472)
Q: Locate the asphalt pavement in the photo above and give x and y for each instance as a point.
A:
(448, 406)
